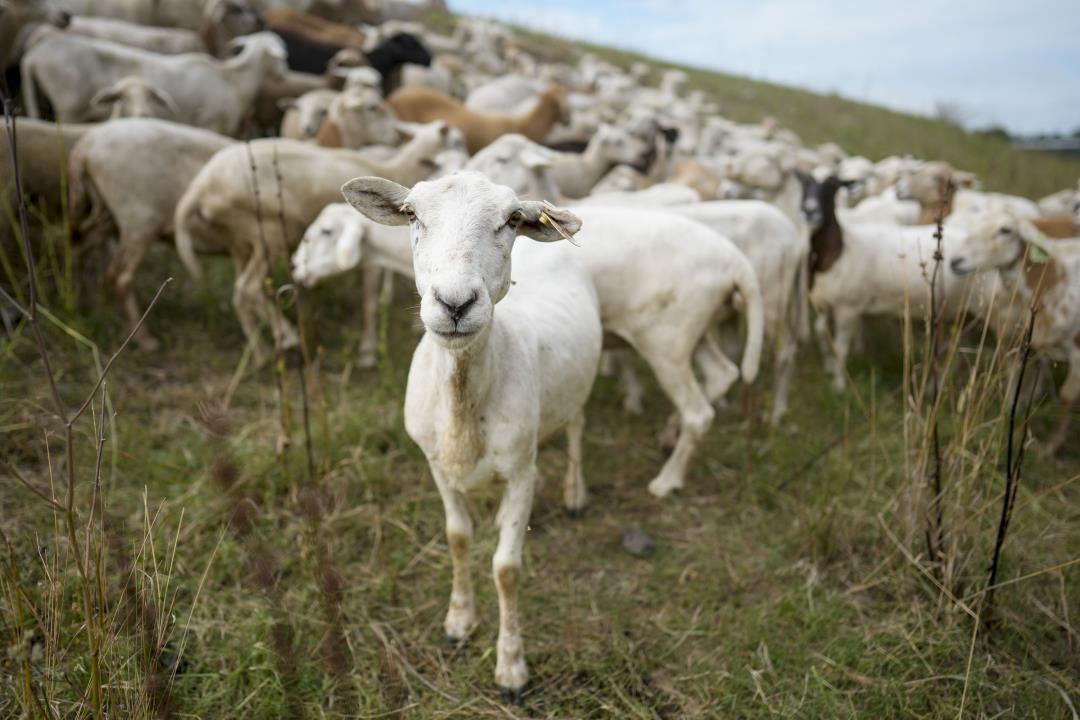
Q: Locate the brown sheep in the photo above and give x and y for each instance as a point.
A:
(422, 105)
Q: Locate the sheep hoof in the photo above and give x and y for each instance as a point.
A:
(511, 696)
(456, 643)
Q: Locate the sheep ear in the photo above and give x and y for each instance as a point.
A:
(166, 100)
(546, 223)
(964, 179)
(107, 96)
(671, 134)
(534, 159)
(377, 198)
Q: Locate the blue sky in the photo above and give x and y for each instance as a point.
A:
(1004, 62)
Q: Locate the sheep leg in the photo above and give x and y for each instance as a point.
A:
(129, 256)
(847, 322)
(823, 337)
(783, 371)
(369, 335)
(717, 369)
(1070, 391)
(695, 418)
(574, 494)
(511, 672)
(632, 402)
(461, 613)
(247, 300)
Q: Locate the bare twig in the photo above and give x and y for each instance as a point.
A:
(1014, 459)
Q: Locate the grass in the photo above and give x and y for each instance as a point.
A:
(780, 586)
(790, 579)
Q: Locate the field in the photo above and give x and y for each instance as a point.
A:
(792, 576)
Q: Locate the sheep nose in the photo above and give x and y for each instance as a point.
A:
(62, 19)
(456, 310)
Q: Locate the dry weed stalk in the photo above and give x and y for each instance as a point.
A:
(87, 554)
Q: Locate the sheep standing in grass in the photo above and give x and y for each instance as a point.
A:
(485, 385)
(1038, 276)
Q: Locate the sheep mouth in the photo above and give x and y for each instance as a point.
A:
(454, 334)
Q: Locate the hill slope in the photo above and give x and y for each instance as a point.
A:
(858, 127)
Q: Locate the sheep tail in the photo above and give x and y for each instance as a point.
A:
(747, 284)
(802, 301)
(186, 214)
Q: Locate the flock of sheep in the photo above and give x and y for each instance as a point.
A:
(477, 166)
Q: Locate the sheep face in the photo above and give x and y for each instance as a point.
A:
(365, 118)
(995, 241)
(134, 97)
(331, 245)
(462, 229)
(621, 148)
(515, 161)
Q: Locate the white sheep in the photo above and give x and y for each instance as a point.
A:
(663, 282)
(304, 115)
(340, 240)
(575, 174)
(508, 358)
(135, 201)
(166, 41)
(134, 97)
(295, 181)
(859, 269)
(1034, 273)
(209, 93)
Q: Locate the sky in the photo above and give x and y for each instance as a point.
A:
(999, 62)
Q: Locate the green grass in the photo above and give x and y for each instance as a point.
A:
(790, 578)
(777, 588)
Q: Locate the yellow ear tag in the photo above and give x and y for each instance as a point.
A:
(547, 220)
(1037, 253)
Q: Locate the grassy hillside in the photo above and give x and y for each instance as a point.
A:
(859, 128)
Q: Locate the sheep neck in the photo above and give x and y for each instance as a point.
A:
(244, 73)
(538, 122)
(593, 163)
(467, 375)
(827, 242)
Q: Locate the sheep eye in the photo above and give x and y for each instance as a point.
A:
(1005, 231)
(409, 213)
(515, 218)
(326, 232)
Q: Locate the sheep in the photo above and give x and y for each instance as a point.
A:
(276, 93)
(777, 251)
(185, 14)
(859, 269)
(296, 181)
(480, 130)
(311, 41)
(166, 41)
(43, 155)
(19, 18)
(304, 115)
(210, 94)
(575, 175)
(508, 358)
(503, 94)
(663, 280)
(340, 240)
(135, 201)
(927, 184)
(520, 164)
(1038, 276)
(134, 97)
(1063, 202)
(356, 118)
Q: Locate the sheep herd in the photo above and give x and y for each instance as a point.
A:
(546, 212)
